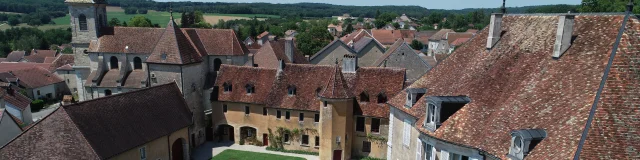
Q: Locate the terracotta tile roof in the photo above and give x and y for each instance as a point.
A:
(66, 67)
(221, 42)
(136, 79)
(103, 127)
(16, 99)
(452, 37)
(518, 85)
(141, 40)
(63, 59)
(110, 78)
(440, 35)
(265, 33)
(460, 41)
(15, 56)
(272, 51)
(49, 59)
(386, 37)
(44, 53)
(174, 48)
(336, 87)
(35, 58)
(309, 80)
(441, 57)
(355, 36)
(35, 77)
(474, 31)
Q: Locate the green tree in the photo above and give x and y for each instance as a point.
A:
(114, 22)
(417, 45)
(13, 21)
(314, 40)
(396, 25)
(348, 29)
(67, 50)
(140, 21)
(198, 16)
(27, 43)
(221, 24)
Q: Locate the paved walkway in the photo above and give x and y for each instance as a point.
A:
(210, 149)
(36, 116)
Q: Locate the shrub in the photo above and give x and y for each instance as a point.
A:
(37, 105)
(292, 151)
(241, 141)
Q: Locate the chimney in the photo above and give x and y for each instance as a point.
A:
(307, 57)
(251, 60)
(289, 48)
(495, 30)
(281, 66)
(349, 63)
(563, 35)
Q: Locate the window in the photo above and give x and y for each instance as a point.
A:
(278, 114)
(228, 87)
(360, 124)
(364, 97)
(143, 153)
(324, 103)
(67, 81)
(154, 79)
(375, 125)
(428, 151)
(291, 90)
(431, 116)
(301, 117)
(38, 92)
(107, 92)
(287, 115)
(286, 138)
(224, 108)
(406, 133)
(137, 63)
(246, 110)
(366, 146)
(250, 88)
(317, 141)
(305, 140)
(264, 111)
(453, 156)
(82, 19)
(113, 63)
(316, 118)
(382, 98)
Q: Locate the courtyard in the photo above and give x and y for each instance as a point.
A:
(246, 155)
(231, 151)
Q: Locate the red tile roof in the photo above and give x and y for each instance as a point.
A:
(35, 77)
(220, 42)
(518, 85)
(271, 86)
(174, 48)
(272, 51)
(265, 33)
(45, 53)
(62, 60)
(460, 41)
(336, 87)
(104, 127)
(452, 37)
(386, 37)
(11, 66)
(16, 99)
(440, 35)
(15, 56)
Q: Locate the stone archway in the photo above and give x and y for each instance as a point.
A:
(179, 149)
(224, 132)
(248, 134)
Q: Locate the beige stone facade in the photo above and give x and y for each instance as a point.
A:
(161, 148)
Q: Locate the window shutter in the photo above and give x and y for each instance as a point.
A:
(418, 149)
(406, 133)
(444, 155)
(433, 153)
(391, 119)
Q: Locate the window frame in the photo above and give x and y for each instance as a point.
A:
(301, 117)
(378, 126)
(286, 139)
(250, 89)
(143, 152)
(265, 111)
(287, 115)
(366, 146)
(361, 127)
(317, 141)
(303, 138)
(406, 133)
(247, 110)
(316, 118)
(278, 114)
(291, 90)
(83, 24)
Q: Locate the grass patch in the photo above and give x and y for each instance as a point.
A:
(231, 154)
(293, 151)
(42, 27)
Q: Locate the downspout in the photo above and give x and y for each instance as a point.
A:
(169, 145)
(594, 106)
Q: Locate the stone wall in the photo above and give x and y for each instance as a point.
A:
(405, 57)
(328, 57)
(369, 54)
(157, 149)
(378, 149)
(398, 150)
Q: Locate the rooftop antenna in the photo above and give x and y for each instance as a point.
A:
(630, 6)
(503, 8)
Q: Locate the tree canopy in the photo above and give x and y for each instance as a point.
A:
(314, 40)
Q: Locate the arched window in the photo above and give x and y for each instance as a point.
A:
(114, 62)
(82, 19)
(364, 97)
(228, 87)
(382, 98)
(137, 63)
(250, 88)
(291, 90)
(107, 92)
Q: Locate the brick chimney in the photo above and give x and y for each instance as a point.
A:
(349, 63)
(495, 30)
(563, 35)
(289, 48)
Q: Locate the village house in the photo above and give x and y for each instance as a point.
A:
(274, 51)
(335, 30)
(365, 48)
(336, 111)
(156, 128)
(529, 86)
(16, 104)
(37, 82)
(15, 56)
(263, 38)
(116, 60)
(9, 127)
(441, 41)
(401, 55)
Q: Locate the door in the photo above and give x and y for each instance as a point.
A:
(209, 133)
(231, 137)
(337, 155)
(265, 139)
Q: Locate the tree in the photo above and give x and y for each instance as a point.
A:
(379, 23)
(188, 19)
(140, 21)
(314, 40)
(417, 45)
(198, 16)
(114, 22)
(130, 10)
(142, 11)
(348, 29)
(221, 24)
(396, 25)
(67, 50)
(13, 21)
(27, 43)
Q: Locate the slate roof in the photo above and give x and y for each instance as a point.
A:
(271, 85)
(272, 51)
(104, 127)
(399, 43)
(174, 47)
(35, 77)
(15, 56)
(518, 85)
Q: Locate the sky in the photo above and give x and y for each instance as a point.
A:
(429, 4)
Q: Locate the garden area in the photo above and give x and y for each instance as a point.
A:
(231, 154)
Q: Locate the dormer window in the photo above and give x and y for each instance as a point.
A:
(228, 87)
(250, 88)
(291, 90)
(523, 141)
(413, 95)
(440, 108)
(382, 98)
(364, 97)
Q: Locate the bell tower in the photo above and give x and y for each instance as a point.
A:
(336, 118)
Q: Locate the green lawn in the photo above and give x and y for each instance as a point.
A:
(161, 18)
(230, 154)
